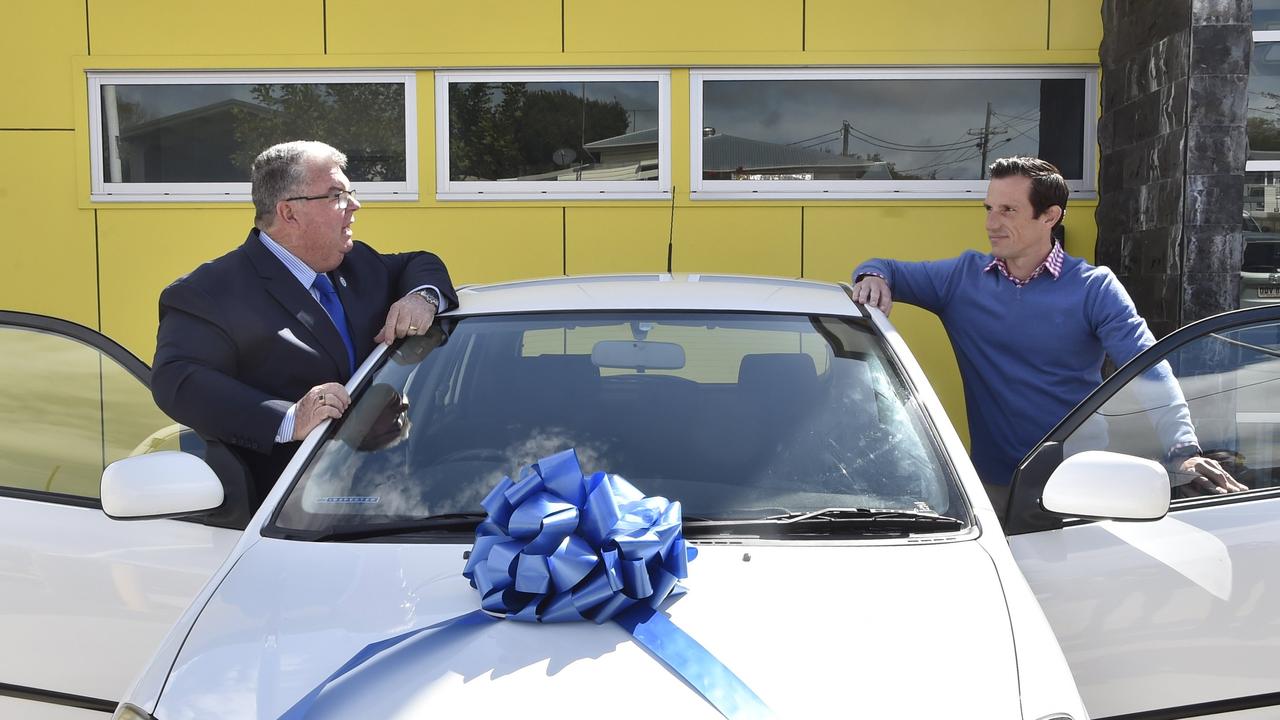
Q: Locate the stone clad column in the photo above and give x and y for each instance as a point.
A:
(1172, 142)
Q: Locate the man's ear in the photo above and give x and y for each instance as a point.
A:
(284, 212)
(1052, 215)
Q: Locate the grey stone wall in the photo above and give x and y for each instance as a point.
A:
(1172, 141)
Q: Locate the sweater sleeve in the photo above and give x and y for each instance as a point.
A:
(1124, 334)
(924, 284)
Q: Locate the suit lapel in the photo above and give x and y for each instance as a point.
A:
(298, 302)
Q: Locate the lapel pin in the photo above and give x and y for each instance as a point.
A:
(342, 281)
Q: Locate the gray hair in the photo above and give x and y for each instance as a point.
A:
(281, 169)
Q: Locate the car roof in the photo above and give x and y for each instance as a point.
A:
(658, 291)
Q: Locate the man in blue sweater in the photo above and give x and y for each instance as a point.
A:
(1029, 324)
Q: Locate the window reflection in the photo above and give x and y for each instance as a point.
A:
(209, 133)
(891, 129)
(1266, 15)
(553, 131)
(1263, 124)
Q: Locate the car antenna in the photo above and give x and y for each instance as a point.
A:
(671, 229)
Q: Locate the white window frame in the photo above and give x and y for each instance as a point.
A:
(447, 189)
(1262, 36)
(879, 189)
(103, 191)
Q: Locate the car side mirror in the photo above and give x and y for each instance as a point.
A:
(1102, 485)
(161, 484)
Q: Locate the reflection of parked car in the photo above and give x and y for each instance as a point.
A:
(1260, 269)
(848, 557)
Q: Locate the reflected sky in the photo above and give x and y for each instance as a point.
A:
(926, 127)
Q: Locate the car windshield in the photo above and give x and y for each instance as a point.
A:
(736, 415)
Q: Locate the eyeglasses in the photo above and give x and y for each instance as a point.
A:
(344, 197)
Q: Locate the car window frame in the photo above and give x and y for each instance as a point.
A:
(1024, 514)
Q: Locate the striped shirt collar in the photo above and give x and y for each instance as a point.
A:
(299, 269)
(1052, 264)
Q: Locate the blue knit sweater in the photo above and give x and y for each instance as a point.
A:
(1027, 355)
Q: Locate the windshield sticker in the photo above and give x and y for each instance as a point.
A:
(352, 499)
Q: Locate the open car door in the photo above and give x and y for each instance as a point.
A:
(1177, 617)
(84, 599)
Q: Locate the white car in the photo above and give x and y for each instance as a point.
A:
(848, 561)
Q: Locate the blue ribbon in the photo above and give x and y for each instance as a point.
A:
(558, 547)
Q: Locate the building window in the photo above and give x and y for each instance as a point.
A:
(1261, 222)
(562, 135)
(193, 136)
(885, 132)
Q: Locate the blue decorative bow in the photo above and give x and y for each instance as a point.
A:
(557, 547)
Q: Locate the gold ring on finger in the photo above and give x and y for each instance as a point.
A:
(413, 328)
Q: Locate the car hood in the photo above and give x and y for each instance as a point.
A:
(883, 630)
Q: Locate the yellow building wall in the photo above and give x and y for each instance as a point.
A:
(49, 249)
(121, 255)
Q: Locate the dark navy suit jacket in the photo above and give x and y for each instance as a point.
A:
(241, 340)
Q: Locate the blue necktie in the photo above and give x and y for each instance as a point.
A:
(329, 301)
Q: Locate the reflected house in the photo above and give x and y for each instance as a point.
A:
(729, 157)
(190, 146)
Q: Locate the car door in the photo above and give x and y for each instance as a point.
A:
(84, 599)
(1178, 617)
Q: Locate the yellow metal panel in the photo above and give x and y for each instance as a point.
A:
(37, 41)
(674, 25)
(226, 27)
(1081, 228)
(479, 244)
(609, 240)
(49, 253)
(926, 25)
(419, 26)
(142, 251)
(1075, 25)
(746, 240)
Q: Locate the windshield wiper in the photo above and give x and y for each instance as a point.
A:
(840, 519)
(362, 531)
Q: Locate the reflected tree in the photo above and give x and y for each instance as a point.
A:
(363, 120)
(506, 130)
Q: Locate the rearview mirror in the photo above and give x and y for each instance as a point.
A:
(1102, 485)
(162, 484)
(637, 355)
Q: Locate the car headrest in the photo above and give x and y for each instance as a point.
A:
(793, 371)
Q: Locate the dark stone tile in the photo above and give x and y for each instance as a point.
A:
(1106, 251)
(1221, 12)
(1213, 249)
(1106, 133)
(1221, 49)
(1215, 149)
(1157, 250)
(1213, 200)
(1152, 299)
(1171, 108)
(1218, 99)
(1206, 294)
(1172, 55)
(1168, 195)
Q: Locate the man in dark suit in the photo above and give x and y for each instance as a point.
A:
(254, 347)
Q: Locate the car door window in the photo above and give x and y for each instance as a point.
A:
(1225, 384)
(68, 410)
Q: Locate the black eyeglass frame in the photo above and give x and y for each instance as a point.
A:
(335, 195)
